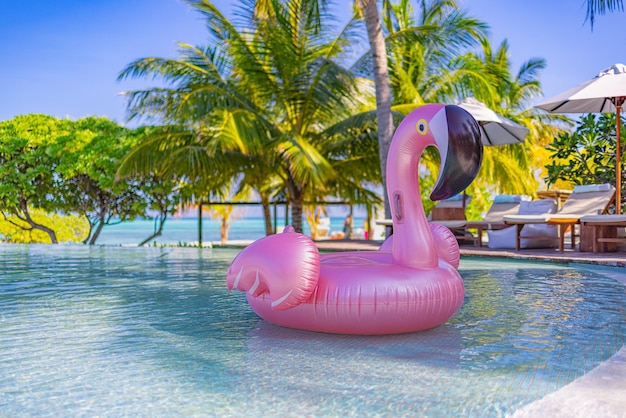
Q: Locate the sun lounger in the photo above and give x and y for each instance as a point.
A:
(451, 214)
(584, 200)
(599, 233)
(506, 236)
(502, 205)
(452, 209)
(323, 228)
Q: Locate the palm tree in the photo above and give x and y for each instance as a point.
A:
(369, 12)
(430, 60)
(421, 46)
(266, 89)
(490, 78)
(595, 7)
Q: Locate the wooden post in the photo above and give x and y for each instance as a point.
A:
(200, 225)
(275, 217)
(368, 221)
(618, 151)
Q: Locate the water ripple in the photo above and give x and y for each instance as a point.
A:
(154, 332)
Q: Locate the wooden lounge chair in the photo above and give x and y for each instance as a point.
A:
(598, 233)
(505, 237)
(451, 214)
(502, 205)
(585, 200)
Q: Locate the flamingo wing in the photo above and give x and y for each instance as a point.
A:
(285, 265)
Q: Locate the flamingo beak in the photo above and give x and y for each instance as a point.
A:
(461, 150)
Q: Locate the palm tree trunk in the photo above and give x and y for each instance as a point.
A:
(224, 228)
(295, 199)
(267, 215)
(296, 214)
(383, 89)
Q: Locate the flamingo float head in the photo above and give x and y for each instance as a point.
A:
(457, 136)
(461, 153)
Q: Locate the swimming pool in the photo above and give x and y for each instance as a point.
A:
(112, 331)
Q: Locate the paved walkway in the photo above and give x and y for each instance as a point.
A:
(616, 259)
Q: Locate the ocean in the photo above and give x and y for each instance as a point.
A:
(184, 231)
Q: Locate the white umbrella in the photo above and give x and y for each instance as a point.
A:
(605, 93)
(495, 128)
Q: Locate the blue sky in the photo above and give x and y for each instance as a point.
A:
(62, 57)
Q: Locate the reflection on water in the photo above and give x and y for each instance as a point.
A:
(145, 332)
(551, 316)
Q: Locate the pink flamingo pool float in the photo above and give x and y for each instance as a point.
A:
(410, 284)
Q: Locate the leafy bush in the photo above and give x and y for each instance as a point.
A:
(587, 155)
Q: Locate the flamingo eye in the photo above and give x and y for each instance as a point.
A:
(422, 127)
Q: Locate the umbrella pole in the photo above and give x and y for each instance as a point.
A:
(618, 152)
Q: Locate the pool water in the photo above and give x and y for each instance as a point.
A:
(110, 331)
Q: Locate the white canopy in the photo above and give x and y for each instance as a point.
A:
(592, 96)
(495, 128)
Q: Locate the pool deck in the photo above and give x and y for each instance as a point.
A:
(616, 259)
(599, 393)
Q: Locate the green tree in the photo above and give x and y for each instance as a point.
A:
(422, 43)
(413, 50)
(227, 213)
(433, 58)
(369, 13)
(178, 166)
(488, 76)
(585, 156)
(275, 76)
(89, 156)
(163, 197)
(60, 168)
(407, 52)
(491, 79)
(27, 170)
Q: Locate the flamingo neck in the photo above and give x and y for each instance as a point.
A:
(413, 243)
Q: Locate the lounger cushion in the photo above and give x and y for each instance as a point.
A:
(535, 214)
(534, 211)
(507, 198)
(537, 207)
(562, 216)
(587, 188)
(528, 219)
(455, 202)
(505, 238)
(603, 219)
(587, 203)
(451, 224)
(497, 211)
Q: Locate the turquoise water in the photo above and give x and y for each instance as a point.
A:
(186, 230)
(111, 331)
